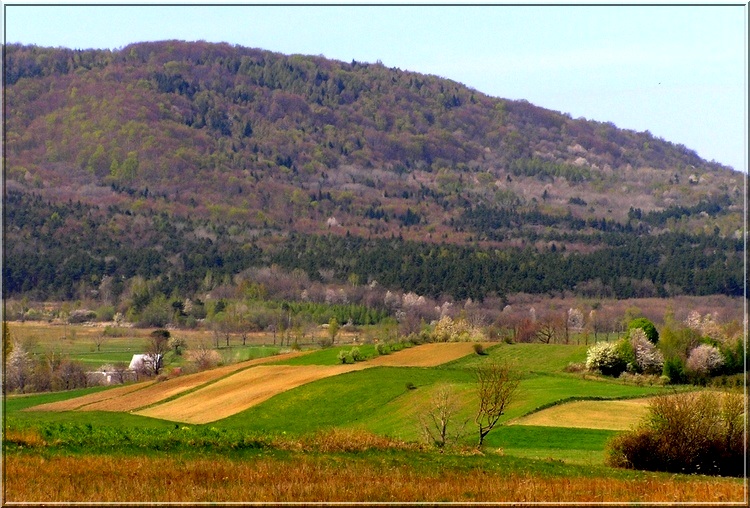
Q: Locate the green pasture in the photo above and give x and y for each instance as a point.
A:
(574, 446)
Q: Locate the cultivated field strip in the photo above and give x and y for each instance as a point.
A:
(590, 414)
(240, 391)
(93, 398)
(426, 355)
(128, 398)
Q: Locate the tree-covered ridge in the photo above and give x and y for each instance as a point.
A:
(190, 119)
(173, 161)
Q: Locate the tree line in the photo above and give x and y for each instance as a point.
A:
(60, 251)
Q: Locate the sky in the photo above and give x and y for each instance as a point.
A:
(678, 71)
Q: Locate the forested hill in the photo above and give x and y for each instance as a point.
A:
(172, 160)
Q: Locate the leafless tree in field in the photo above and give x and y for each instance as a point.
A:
(438, 425)
(496, 386)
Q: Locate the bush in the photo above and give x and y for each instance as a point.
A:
(345, 357)
(81, 316)
(382, 348)
(479, 349)
(356, 354)
(605, 357)
(697, 432)
(574, 367)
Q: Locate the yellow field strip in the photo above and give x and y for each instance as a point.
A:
(590, 414)
(130, 397)
(241, 391)
(426, 355)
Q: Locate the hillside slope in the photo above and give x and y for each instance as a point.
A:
(172, 148)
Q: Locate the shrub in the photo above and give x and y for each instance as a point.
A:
(735, 356)
(382, 348)
(697, 432)
(627, 354)
(411, 386)
(604, 357)
(575, 367)
(479, 349)
(81, 316)
(356, 354)
(345, 357)
(203, 357)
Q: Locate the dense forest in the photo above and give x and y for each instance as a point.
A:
(175, 162)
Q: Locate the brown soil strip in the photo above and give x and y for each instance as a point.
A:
(590, 414)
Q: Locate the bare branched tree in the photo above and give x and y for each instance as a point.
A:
(438, 425)
(496, 386)
(99, 339)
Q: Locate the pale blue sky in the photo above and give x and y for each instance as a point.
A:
(678, 71)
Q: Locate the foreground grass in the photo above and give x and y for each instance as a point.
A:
(336, 477)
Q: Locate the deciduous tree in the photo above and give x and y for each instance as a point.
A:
(496, 386)
(438, 425)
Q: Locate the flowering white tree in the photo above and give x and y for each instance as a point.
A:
(605, 358)
(575, 320)
(704, 359)
(705, 325)
(647, 357)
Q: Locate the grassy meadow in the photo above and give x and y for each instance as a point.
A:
(351, 437)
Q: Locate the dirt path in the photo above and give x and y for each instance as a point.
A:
(79, 402)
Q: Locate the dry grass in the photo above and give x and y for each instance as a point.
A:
(591, 414)
(96, 479)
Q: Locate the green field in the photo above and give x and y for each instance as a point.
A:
(389, 401)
